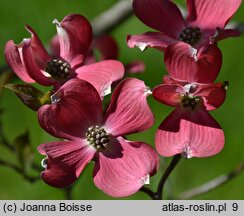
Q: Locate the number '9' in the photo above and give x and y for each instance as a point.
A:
(234, 206)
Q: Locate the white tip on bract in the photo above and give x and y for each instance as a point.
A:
(44, 163)
(142, 46)
(147, 91)
(187, 152)
(145, 180)
(57, 23)
(106, 90)
(193, 53)
(55, 98)
(189, 87)
(213, 38)
(25, 40)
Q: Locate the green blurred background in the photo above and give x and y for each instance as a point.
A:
(17, 118)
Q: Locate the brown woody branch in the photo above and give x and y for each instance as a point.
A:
(112, 17)
(213, 184)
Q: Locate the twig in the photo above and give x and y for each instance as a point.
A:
(148, 191)
(68, 193)
(158, 195)
(165, 176)
(213, 184)
(19, 170)
(112, 17)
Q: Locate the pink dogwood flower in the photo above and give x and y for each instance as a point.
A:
(31, 62)
(121, 167)
(204, 24)
(190, 130)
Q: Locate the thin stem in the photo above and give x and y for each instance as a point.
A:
(159, 193)
(68, 193)
(213, 184)
(148, 191)
(170, 168)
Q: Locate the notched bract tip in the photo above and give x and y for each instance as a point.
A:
(193, 54)
(145, 180)
(147, 91)
(142, 45)
(44, 163)
(57, 23)
(187, 152)
(55, 98)
(225, 85)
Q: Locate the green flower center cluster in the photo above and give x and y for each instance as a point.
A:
(97, 137)
(191, 102)
(58, 69)
(190, 35)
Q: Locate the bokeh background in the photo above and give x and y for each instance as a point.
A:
(17, 119)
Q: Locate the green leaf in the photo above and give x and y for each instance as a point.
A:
(29, 95)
